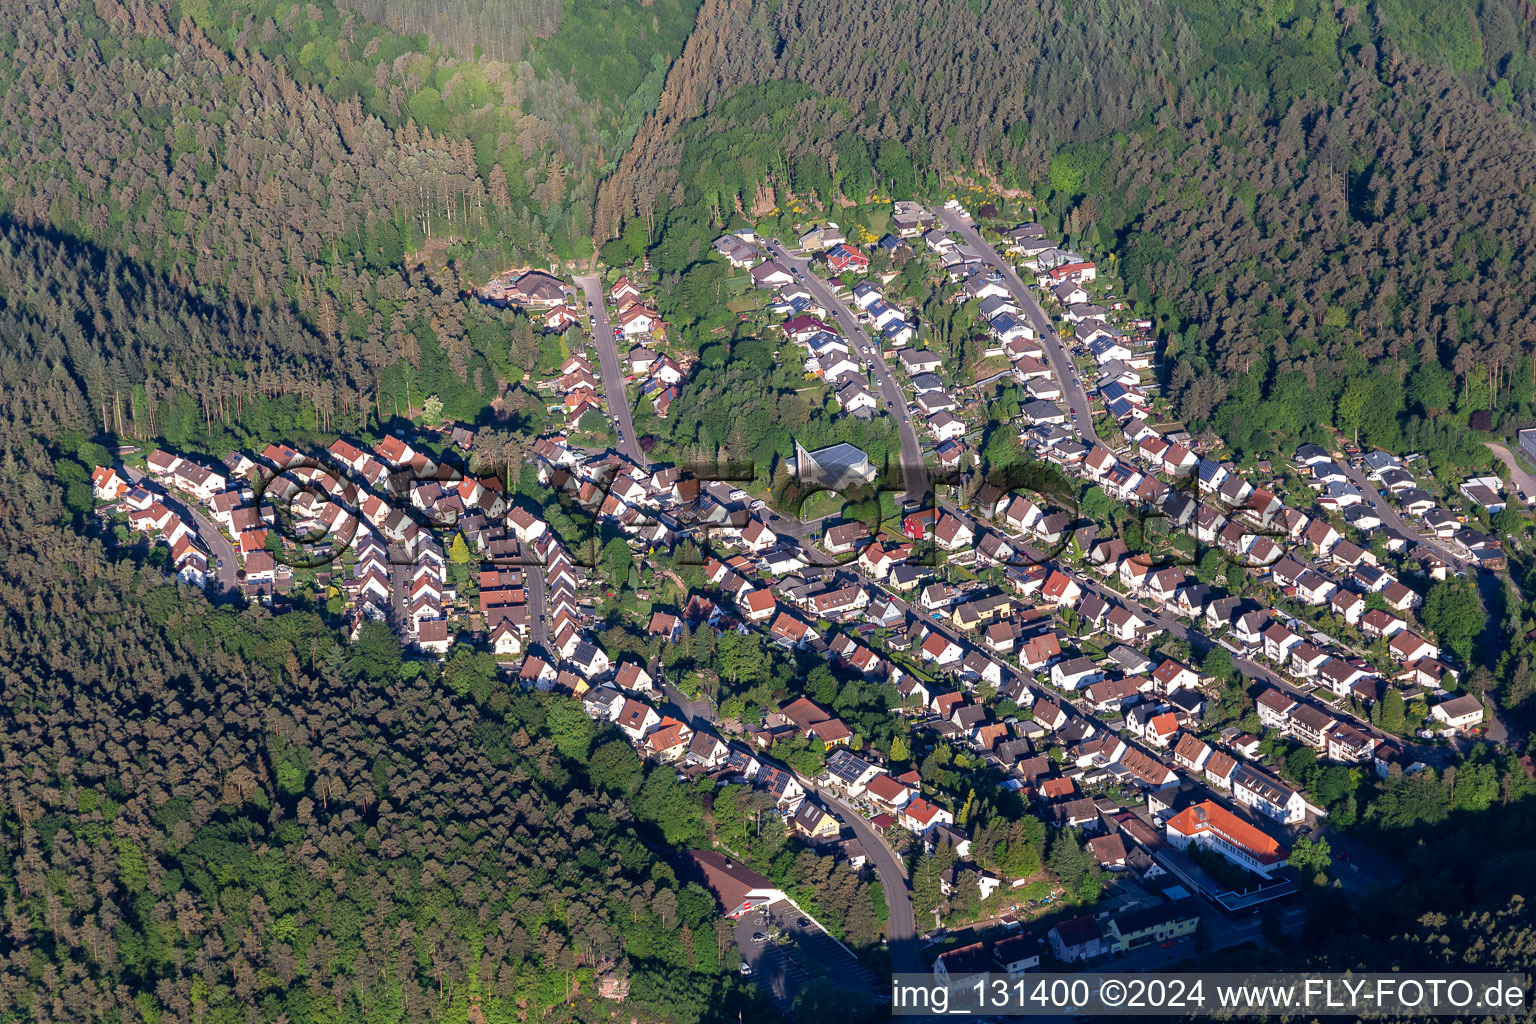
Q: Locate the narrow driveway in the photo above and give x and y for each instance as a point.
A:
(913, 472)
(612, 367)
(208, 534)
(694, 711)
(1024, 297)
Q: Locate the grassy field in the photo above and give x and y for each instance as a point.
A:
(989, 366)
(822, 503)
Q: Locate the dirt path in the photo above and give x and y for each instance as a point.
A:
(1525, 482)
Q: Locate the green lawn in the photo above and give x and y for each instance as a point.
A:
(822, 503)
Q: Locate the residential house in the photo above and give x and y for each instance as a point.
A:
(1108, 851)
(964, 968)
(782, 785)
(1172, 674)
(886, 792)
(1409, 647)
(940, 650)
(637, 719)
(1267, 795)
(1075, 674)
(632, 677)
(1459, 714)
(1161, 729)
(707, 750)
(920, 815)
(1078, 938)
(812, 822)
(1146, 770)
(1018, 954)
(669, 741)
(1219, 768)
(1192, 753)
(1037, 652)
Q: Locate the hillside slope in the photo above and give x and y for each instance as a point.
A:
(1308, 199)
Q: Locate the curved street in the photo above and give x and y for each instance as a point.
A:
(1024, 297)
(208, 534)
(900, 926)
(914, 472)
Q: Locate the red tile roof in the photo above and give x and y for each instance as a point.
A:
(1208, 816)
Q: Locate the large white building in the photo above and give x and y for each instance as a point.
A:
(1210, 826)
(835, 468)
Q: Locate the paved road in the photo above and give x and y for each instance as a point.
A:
(900, 926)
(913, 471)
(208, 534)
(538, 607)
(1024, 297)
(612, 366)
(400, 563)
(1390, 517)
(1490, 584)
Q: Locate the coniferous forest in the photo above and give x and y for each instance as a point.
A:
(230, 222)
(1308, 197)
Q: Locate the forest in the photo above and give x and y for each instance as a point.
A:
(1327, 210)
(225, 223)
(223, 814)
(252, 222)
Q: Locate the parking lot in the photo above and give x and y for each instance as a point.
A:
(790, 952)
(772, 962)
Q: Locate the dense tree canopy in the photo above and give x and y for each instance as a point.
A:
(1316, 204)
(227, 223)
(231, 811)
